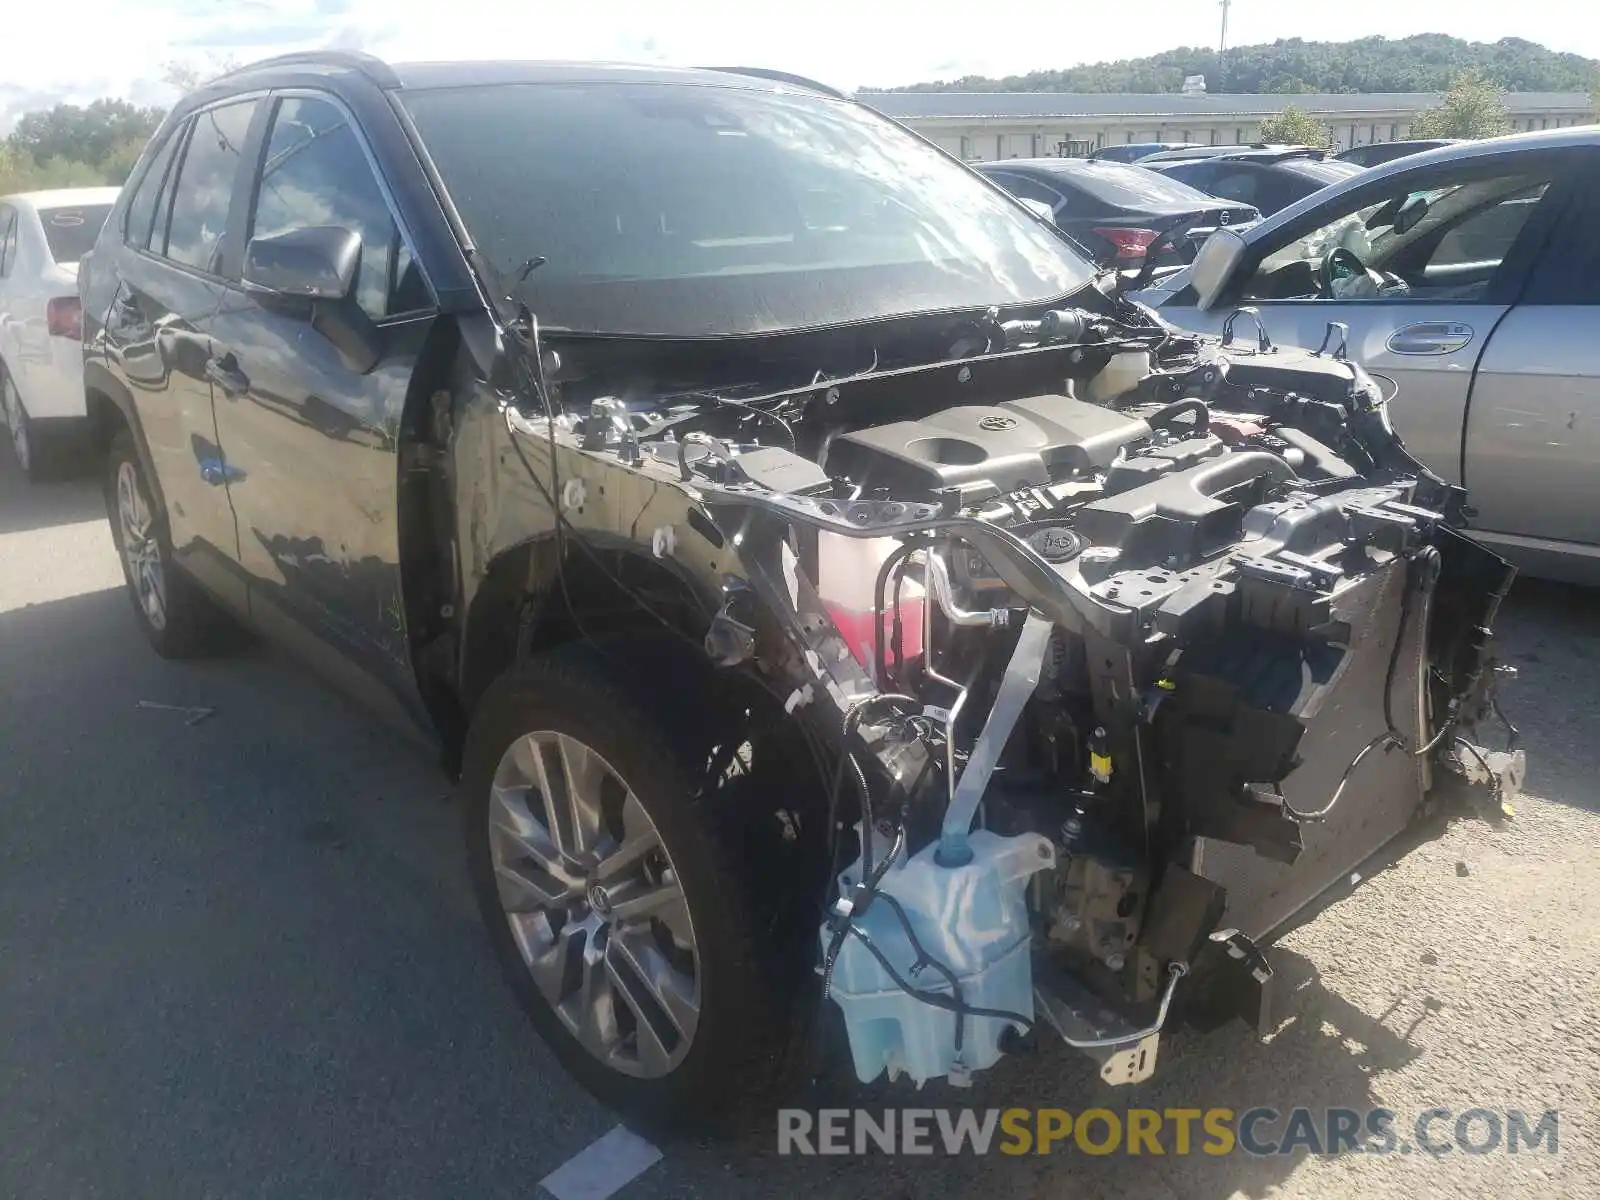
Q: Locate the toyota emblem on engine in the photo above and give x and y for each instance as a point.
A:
(996, 423)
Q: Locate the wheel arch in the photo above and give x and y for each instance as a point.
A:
(531, 601)
(110, 409)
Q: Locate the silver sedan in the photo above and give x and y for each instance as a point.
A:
(1468, 278)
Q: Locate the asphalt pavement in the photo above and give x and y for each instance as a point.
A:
(238, 957)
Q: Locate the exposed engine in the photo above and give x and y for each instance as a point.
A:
(1129, 645)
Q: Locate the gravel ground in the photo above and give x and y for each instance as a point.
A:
(240, 958)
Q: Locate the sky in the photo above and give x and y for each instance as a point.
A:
(118, 47)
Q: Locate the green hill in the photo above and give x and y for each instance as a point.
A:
(1426, 62)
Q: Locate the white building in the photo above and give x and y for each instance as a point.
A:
(981, 126)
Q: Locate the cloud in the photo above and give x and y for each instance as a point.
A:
(118, 47)
(245, 36)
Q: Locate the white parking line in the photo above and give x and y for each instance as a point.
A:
(603, 1168)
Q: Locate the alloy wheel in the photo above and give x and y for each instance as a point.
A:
(141, 552)
(17, 422)
(594, 904)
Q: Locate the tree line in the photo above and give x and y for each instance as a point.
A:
(1472, 107)
(72, 145)
(1427, 62)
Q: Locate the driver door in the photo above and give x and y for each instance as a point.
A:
(1454, 271)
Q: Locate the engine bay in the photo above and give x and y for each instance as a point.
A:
(1128, 645)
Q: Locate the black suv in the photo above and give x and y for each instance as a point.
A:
(711, 467)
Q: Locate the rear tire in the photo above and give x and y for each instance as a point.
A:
(31, 454)
(733, 1061)
(177, 618)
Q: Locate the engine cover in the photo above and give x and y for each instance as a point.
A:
(986, 449)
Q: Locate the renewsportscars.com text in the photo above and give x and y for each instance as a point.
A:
(1176, 1131)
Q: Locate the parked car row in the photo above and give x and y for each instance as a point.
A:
(1118, 212)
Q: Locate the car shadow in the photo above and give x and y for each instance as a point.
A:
(62, 501)
(1551, 633)
(1321, 1053)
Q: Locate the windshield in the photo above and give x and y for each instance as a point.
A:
(1135, 187)
(71, 231)
(683, 211)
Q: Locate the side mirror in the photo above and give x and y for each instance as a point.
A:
(1040, 209)
(315, 263)
(1214, 266)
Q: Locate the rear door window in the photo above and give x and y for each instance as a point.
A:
(8, 239)
(205, 184)
(142, 207)
(71, 230)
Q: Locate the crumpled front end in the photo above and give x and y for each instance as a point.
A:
(1130, 649)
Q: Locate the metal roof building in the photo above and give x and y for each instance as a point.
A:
(990, 125)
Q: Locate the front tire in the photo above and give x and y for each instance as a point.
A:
(610, 894)
(177, 618)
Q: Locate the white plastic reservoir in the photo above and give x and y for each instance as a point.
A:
(847, 578)
(974, 920)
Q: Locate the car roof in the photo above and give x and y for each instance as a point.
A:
(1265, 154)
(447, 74)
(63, 197)
(1054, 166)
(1510, 146)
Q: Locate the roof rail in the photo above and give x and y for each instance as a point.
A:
(374, 68)
(783, 77)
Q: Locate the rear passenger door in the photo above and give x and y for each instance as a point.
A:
(171, 267)
(1532, 462)
(311, 436)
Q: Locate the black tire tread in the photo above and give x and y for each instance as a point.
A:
(750, 1064)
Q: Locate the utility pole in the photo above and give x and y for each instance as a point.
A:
(1222, 48)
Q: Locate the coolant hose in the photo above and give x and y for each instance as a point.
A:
(1167, 413)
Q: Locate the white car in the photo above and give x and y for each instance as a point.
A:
(42, 236)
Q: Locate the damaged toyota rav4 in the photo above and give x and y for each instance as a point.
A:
(845, 611)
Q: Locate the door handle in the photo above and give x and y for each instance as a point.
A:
(1430, 337)
(225, 373)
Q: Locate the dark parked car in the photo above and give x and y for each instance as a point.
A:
(1257, 149)
(823, 584)
(1375, 153)
(1268, 179)
(1116, 211)
(1133, 151)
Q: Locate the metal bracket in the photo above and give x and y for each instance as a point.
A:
(1016, 687)
(1126, 1054)
(1263, 342)
(1502, 771)
(1341, 352)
